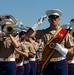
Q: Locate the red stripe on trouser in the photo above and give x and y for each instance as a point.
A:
(16, 66)
(23, 69)
(66, 67)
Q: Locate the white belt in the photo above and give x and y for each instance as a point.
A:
(70, 61)
(20, 64)
(7, 59)
(57, 59)
(32, 59)
(25, 62)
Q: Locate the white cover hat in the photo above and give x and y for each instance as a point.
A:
(7, 19)
(54, 12)
(17, 30)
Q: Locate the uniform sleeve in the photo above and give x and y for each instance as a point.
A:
(69, 41)
(7, 42)
(30, 47)
(24, 48)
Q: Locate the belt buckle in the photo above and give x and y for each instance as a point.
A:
(5, 59)
(55, 59)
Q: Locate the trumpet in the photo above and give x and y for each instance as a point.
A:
(8, 29)
(7, 23)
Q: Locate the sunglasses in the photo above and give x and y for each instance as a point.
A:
(22, 33)
(53, 16)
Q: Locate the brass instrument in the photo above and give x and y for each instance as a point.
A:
(72, 33)
(66, 26)
(72, 25)
(7, 23)
(8, 28)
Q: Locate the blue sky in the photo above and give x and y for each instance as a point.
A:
(29, 11)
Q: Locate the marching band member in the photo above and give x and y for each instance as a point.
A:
(29, 63)
(39, 56)
(32, 60)
(7, 46)
(21, 53)
(26, 60)
(70, 57)
(57, 64)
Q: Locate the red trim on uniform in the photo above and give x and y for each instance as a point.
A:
(23, 69)
(47, 51)
(66, 67)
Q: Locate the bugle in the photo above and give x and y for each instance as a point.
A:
(8, 28)
(72, 33)
(7, 23)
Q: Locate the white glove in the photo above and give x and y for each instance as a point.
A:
(62, 51)
(40, 21)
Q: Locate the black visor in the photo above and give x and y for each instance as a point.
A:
(53, 16)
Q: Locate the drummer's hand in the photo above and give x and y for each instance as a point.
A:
(61, 50)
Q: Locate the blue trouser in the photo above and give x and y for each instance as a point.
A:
(70, 69)
(26, 69)
(33, 67)
(56, 68)
(7, 68)
(19, 70)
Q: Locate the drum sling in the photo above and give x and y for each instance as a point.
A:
(48, 49)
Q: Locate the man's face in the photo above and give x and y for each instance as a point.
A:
(54, 20)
